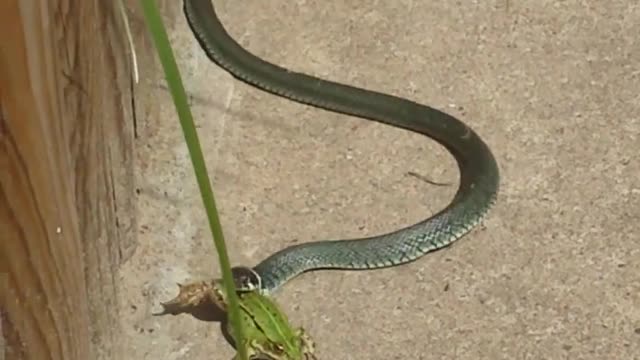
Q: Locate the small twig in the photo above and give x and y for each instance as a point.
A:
(426, 179)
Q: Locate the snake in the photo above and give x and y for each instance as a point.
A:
(478, 182)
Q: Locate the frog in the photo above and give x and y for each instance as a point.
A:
(268, 334)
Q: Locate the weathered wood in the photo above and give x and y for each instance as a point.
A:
(66, 176)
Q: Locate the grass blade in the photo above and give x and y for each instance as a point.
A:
(174, 81)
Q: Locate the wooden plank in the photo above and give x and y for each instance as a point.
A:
(66, 177)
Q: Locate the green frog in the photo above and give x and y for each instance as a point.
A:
(268, 335)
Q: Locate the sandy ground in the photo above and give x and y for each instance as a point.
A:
(552, 86)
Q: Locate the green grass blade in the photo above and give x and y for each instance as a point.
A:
(174, 81)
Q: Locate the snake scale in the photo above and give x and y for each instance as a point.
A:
(479, 174)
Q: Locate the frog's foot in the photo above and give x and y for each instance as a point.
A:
(190, 295)
(307, 344)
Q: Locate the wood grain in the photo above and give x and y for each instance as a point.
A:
(66, 177)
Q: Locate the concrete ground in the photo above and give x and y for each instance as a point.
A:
(552, 86)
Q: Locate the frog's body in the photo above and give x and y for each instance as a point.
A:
(268, 333)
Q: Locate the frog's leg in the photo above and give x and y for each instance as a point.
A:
(251, 357)
(216, 294)
(190, 295)
(256, 352)
(307, 344)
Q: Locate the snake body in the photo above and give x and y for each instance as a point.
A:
(479, 174)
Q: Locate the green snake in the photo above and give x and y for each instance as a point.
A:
(479, 174)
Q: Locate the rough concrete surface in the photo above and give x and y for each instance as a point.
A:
(552, 86)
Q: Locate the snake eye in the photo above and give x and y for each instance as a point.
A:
(246, 279)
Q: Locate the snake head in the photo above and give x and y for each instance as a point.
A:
(246, 279)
